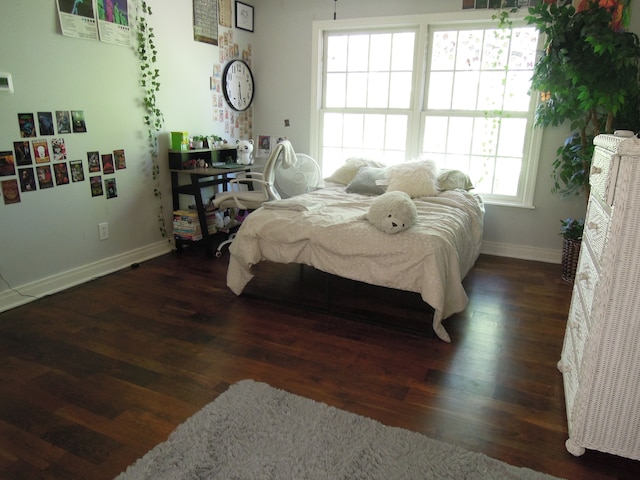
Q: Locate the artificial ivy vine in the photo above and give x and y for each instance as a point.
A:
(149, 81)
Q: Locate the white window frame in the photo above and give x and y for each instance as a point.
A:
(533, 141)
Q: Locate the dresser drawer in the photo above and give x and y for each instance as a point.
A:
(596, 229)
(600, 171)
(586, 279)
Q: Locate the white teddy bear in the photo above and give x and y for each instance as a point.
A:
(392, 212)
(244, 149)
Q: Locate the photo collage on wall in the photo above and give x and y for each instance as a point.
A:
(236, 124)
(40, 159)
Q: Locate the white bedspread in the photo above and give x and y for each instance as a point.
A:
(326, 229)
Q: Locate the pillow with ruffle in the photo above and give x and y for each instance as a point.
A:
(417, 178)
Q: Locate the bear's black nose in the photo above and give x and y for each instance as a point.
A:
(394, 224)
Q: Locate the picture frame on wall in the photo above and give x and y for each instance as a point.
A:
(244, 16)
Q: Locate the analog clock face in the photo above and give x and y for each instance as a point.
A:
(237, 84)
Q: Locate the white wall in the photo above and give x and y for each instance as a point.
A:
(49, 240)
(283, 73)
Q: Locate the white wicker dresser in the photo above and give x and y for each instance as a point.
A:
(600, 360)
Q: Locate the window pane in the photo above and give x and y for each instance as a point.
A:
(511, 139)
(506, 176)
(465, 91)
(336, 90)
(517, 97)
(459, 135)
(491, 90)
(378, 90)
(396, 135)
(443, 51)
(358, 53)
(356, 90)
(380, 55)
(337, 53)
(435, 134)
(524, 47)
(495, 50)
(353, 131)
(403, 46)
(469, 50)
(485, 136)
(440, 88)
(332, 130)
(400, 90)
(374, 131)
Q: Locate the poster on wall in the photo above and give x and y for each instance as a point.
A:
(77, 18)
(205, 21)
(27, 180)
(113, 22)
(10, 191)
(224, 13)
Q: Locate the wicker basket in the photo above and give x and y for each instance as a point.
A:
(570, 254)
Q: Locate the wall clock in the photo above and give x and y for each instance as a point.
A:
(237, 85)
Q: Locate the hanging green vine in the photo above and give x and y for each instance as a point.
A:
(150, 83)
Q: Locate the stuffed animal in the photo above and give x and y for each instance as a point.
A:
(245, 149)
(392, 212)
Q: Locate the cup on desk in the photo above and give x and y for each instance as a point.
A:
(201, 163)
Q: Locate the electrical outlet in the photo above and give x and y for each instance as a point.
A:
(103, 229)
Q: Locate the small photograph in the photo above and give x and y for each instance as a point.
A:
(96, 186)
(23, 152)
(59, 149)
(78, 122)
(45, 179)
(110, 187)
(77, 171)
(63, 121)
(94, 161)
(120, 161)
(27, 125)
(7, 164)
(10, 191)
(61, 172)
(45, 123)
(27, 179)
(41, 150)
(107, 163)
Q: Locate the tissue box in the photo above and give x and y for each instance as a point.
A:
(179, 141)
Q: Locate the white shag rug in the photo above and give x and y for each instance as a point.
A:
(255, 431)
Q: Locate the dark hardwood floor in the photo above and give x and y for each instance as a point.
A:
(95, 376)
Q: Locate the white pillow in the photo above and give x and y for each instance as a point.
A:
(347, 172)
(417, 178)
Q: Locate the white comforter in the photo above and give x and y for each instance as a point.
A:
(326, 229)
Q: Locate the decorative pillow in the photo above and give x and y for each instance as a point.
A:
(454, 179)
(369, 181)
(417, 178)
(349, 170)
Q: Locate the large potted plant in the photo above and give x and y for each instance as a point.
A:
(587, 75)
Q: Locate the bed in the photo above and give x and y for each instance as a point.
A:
(327, 229)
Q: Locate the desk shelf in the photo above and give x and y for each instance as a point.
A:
(199, 178)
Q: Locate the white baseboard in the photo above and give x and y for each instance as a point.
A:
(521, 252)
(11, 298)
(47, 286)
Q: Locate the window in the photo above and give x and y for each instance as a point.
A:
(454, 93)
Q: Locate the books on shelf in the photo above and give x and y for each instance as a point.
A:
(186, 224)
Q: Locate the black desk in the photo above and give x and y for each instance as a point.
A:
(200, 178)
